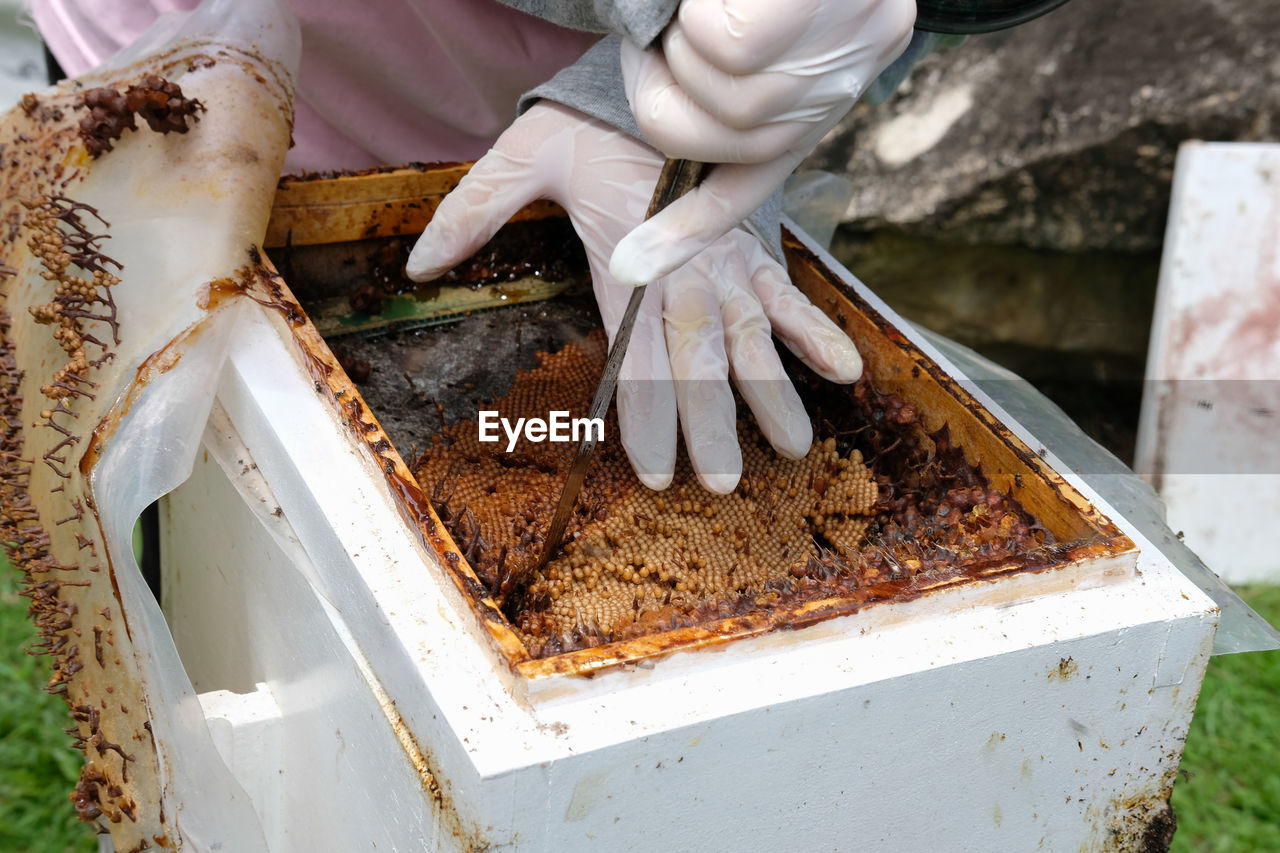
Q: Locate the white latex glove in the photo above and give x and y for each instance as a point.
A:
(711, 318)
(754, 83)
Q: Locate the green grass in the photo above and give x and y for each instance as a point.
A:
(38, 767)
(1230, 800)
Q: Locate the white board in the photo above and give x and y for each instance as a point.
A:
(1208, 435)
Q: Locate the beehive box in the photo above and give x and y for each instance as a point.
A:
(320, 235)
(366, 689)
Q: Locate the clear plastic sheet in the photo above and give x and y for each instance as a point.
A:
(178, 215)
(150, 455)
(1240, 629)
(156, 442)
(816, 201)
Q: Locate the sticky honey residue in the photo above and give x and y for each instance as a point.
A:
(638, 562)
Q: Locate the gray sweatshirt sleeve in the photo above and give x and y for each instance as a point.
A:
(640, 21)
(593, 85)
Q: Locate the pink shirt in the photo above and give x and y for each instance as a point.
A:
(382, 81)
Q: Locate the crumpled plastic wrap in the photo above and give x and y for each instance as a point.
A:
(128, 378)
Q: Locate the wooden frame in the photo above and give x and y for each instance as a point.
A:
(322, 209)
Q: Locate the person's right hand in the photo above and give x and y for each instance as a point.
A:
(752, 85)
(709, 319)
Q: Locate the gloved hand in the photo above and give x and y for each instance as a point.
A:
(709, 319)
(754, 83)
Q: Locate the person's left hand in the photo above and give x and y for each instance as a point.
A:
(751, 85)
(709, 320)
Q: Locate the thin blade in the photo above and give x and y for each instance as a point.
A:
(676, 179)
(587, 447)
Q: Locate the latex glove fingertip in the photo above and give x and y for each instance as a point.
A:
(653, 463)
(836, 354)
(779, 413)
(648, 253)
(647, 423)
(654, 480)
(715, 457)
(427, 261)
(630, 264)
(794, 440)
(720, 484)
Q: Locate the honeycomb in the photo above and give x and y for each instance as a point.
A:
(638, 562)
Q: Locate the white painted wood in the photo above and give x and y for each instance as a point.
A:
(1209, 435)
(345, 781)
(1036, 722)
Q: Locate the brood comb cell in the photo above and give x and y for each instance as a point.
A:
(637, 562)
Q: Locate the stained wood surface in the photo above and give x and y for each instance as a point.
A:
(309, 211)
